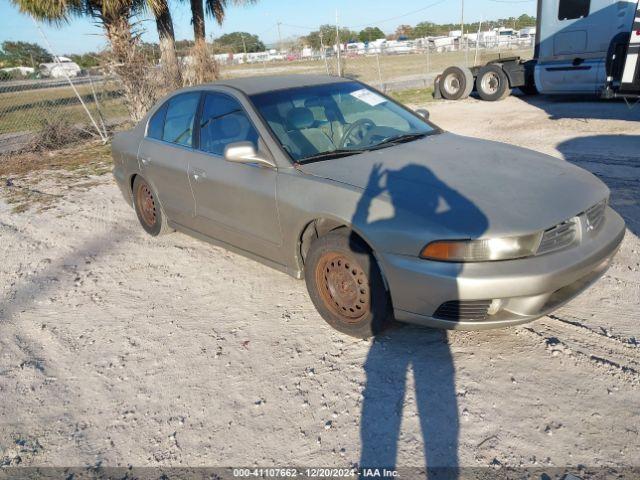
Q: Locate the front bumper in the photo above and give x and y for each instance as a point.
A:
(524, 289)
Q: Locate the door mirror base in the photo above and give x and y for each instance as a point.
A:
(245, 152)
(423, 113)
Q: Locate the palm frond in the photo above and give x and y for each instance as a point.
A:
(217, 8)
(53, 11)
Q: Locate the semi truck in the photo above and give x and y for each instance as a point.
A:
(589, 47)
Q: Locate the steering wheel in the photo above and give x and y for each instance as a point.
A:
(356, 133)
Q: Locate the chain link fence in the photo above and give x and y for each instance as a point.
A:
(95, 102)
(389, 69)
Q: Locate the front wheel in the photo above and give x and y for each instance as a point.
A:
(346, 286)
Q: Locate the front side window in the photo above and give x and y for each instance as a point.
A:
(337, 119)
(178, 123)
(223, 121)
(571, 9)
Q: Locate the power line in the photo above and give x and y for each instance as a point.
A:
(399, 16)
(301, 27)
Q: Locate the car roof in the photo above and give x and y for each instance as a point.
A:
(254, 85)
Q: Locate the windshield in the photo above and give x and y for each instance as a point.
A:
(334, 120)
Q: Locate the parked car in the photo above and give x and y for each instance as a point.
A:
(383, 214)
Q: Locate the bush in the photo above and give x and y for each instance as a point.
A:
(55, 133)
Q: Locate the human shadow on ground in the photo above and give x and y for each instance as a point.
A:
(421, 201)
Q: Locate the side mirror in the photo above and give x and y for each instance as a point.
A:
(245, 152)
(423, 113)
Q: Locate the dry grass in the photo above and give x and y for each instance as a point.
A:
(90, 156)
(365, 68)
(413, 96)
(33, 180)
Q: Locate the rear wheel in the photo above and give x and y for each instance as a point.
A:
(345, 285)
(456, 83)
(148, 209)
(492, 83)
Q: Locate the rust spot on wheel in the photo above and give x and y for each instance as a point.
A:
(343, 286)
(147, 205)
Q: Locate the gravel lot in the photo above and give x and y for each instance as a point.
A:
(120, 349)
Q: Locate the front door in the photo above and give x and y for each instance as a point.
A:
(234, 202)
(165, 152)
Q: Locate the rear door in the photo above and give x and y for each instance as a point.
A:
(165, 152)
(234, 202)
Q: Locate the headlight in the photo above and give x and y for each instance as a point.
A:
(505, 248)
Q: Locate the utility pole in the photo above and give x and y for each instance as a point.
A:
(324, 53)
(244, 45)
(338, 45)
(279, 38)
(462, 33)
(475, 58)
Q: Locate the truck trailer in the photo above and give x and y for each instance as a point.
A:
(585, 47)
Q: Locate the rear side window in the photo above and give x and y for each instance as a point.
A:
(571, 9)
(223, 121)
(156, 124)
(178, 123)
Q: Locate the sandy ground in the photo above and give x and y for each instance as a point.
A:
(117, 348)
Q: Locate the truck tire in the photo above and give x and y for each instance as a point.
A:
(456, 83)
(492, 83)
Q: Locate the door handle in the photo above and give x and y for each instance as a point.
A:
(145, 160)
(198, 175)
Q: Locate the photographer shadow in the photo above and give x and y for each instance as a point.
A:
(421, 201)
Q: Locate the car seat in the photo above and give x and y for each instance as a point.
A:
(308, 138)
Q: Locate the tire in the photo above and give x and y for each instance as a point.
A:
(148, 209)
(456, 83)
(346, 286)
(492, 83)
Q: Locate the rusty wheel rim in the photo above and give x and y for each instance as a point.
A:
(343, 286)
(147, 205)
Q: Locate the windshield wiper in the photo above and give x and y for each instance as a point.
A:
(343, 152)
(404, 138)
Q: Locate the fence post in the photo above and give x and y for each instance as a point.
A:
(428, 58)
(98, 109)
(379, 71)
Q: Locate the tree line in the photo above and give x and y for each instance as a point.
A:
(326, 34)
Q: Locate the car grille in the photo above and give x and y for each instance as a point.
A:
(558, 237)
(565, 234)
(595, 215)
(459, 310)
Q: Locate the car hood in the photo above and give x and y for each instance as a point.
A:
(483, 188)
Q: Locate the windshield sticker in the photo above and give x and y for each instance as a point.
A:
(368, 97)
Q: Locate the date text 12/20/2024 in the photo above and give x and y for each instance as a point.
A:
(277, 473)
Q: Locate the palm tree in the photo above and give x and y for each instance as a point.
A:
(115, 17)
(204, 68)
(167, 38)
